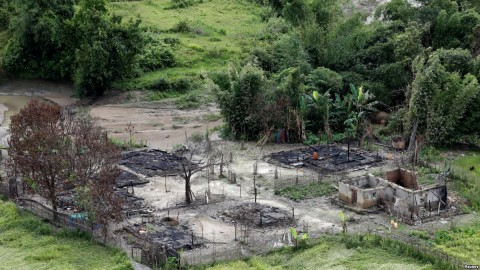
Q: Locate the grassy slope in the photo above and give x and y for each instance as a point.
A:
(27, 243)
(327, 255)
(462, 242)
(225, 30)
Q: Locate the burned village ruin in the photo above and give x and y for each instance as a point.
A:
(236, 211)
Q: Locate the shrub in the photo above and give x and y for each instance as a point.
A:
(189, 101)
(73, 233)
(196, 47)
(182, 85)
(181, 3)
(161, 84)
(156, 55)
(182, 27)
(301, 192)
(324, 79)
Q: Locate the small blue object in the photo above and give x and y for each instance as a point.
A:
(78, 216)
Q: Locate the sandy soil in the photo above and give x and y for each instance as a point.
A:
(160, 124)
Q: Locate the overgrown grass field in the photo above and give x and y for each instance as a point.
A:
(466, 172)
(461, 242)
(330, 253)
(28, 243)
(301, 192)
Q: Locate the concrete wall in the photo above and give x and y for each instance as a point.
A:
(404, 178)
(367, 198)
(405, 199)
(344, 192)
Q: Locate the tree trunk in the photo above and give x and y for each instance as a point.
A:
(105, 233)
(53, 200)
(54, 207)
(411, 145)
(188, 191)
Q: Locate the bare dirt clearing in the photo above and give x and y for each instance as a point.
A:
(159, 124)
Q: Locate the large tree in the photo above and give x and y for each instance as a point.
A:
(442, 93)
(51, 150)
(54, 39)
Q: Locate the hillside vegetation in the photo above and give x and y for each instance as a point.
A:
(205, 36)
(317, 69)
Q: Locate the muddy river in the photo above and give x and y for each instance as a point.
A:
(14, 95)
(10, 105)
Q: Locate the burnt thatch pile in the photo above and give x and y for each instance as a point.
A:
(331, 158)
(153, 162)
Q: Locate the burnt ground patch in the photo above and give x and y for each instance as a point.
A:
(128, 179)
(153, 162)
(331, 158)
(257, 215)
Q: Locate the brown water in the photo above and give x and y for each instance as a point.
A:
(10, 105)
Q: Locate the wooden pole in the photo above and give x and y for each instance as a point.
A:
(221, 165)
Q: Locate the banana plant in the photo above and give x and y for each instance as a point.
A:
(300, 240)
(322, 103)
(359, 104)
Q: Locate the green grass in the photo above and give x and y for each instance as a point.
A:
(331, 253)
(301, 192)
(431, 154)
(426, 175)
(466, 181)
(462, 243)
(467, 162)
(420, 234)
(211, 117)
(127, 144)
(28, 243)
(219, 31)
(156, 95)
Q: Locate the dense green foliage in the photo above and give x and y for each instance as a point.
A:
(28, 243)
(442, 92)
(419, 57)
(84, 43)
